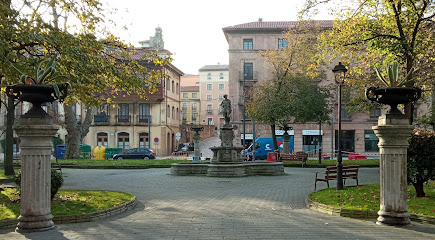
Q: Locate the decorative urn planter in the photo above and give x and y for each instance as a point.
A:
(37, 94)
(393, 96)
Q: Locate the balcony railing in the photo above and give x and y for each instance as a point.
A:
(123, 119)
(101, 119)
(143, 119)
(249, 77)
(209, 112)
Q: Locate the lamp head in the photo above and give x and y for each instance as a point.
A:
(339, 73)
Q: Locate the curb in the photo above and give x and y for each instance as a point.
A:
(86, 217)
(358, 214)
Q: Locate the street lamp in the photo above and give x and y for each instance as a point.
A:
(339, 76)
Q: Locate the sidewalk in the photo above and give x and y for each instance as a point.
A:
(176, 207)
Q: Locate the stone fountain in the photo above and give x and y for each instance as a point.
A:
(227, 160)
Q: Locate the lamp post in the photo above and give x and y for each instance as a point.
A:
(339, 76)
(244, 107)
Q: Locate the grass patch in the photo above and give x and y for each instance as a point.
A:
(121, 162)
(2, 174)
(367, 198)
(315, 163)
(66, 202)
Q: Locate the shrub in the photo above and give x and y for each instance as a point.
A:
(56, 181)
(421, 159)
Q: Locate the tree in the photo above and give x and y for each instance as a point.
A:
(295, 97)
(372, 33)
(95, 62)
(421, 159)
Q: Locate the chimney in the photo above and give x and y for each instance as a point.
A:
(260, 19)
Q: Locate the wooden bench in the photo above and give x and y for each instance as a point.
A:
(294, 157)
(349, 172)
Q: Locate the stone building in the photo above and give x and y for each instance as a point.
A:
(213, 85)
(247, 68)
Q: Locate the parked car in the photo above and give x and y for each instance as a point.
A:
(136, 153)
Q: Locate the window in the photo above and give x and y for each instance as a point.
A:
(144, 112)
(282, 43)
(194, 95)
(178, 114)
(221, 86)
(248, 71)
(185, 95)
(123, 113)
(102, 139)
(173, 112)
(209, 86)
(168, 111)
(210, 121)
(193, 107)
(209, 97)
(221, 76)
(124, 141)
(184, 116)
(221, 96)
(184, 107)
(370, 141)
(194, 115)
(178, 89)
(168, 85)
(102, 110)
(209, 76)
(248, 44)
(144, 140)
(345, 115)
(209, 109)
(173, 86)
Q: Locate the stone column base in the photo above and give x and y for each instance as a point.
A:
(35, 223)
(393, 218)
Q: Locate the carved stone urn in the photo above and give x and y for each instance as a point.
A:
(393, 96)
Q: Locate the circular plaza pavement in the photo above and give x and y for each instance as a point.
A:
(191, 207)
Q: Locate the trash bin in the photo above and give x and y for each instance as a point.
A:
(271, 157)
(85, 151)
(60, 151)
(99, 153)
(112, 151)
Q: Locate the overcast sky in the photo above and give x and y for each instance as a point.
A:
(192, 29)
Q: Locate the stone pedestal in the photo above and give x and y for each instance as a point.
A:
(196, 148)
(393, 132)
(35, 133)
(285, 142)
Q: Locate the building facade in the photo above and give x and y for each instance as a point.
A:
(190, 105)
(213, 85)
(247, 69)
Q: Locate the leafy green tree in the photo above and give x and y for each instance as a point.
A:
(371, 33)
(95, 62)
(421, 159)
(297, 98)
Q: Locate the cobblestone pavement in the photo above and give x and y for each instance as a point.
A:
(176, 207)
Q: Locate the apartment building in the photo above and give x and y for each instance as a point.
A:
(248, 69)
(213, 85)
(190, 105)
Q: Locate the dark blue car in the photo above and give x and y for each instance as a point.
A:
(136, 153)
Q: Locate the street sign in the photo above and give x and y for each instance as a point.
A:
(178, 134)
(156, 140)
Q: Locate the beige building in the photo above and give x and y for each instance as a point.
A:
(213, 85)
(189, 80)
(132, 122)
(190, 105)
(245, 41)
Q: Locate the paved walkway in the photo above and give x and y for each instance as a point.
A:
(175, 207)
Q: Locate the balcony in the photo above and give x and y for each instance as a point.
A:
(143, 120)
(248, 78)
(101, 119)
(209, 112)
(123, 119)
